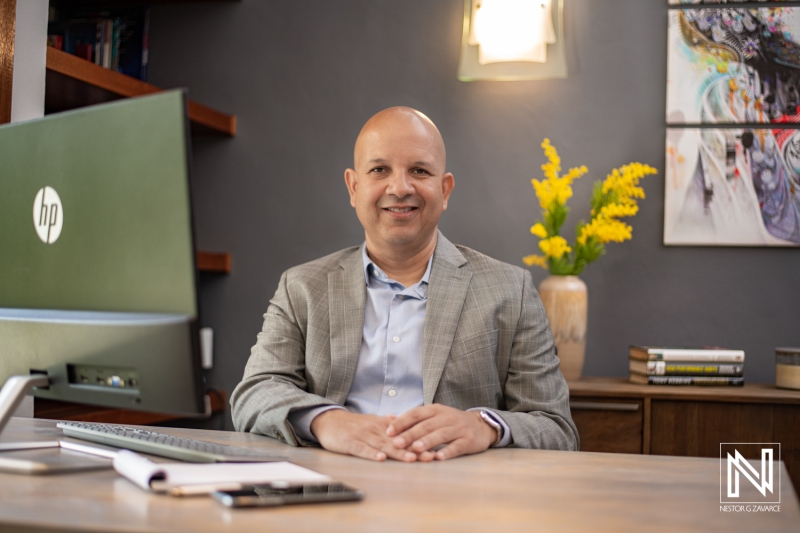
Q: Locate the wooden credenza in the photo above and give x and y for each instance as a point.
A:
(614, 415)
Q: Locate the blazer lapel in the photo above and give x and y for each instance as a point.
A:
(446, 294)
(347, 295)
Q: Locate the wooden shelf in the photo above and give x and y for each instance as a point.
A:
(214, 262)
(57, 410)
(623, 388)
(125, 3)
(73, 82)
(8, 17)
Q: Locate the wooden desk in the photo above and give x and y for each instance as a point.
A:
(500, 490)
(615, 415)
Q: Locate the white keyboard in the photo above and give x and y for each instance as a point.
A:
(140, 440)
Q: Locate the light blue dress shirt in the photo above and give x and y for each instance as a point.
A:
(388, 378)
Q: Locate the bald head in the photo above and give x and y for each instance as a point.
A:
(398, 184)
(399, 125)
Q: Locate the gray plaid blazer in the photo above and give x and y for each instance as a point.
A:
(487, 343)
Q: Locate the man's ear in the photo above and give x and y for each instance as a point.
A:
(448, 184)
(351, 182)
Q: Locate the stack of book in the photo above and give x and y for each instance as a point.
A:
(686, 366)
(114, 39)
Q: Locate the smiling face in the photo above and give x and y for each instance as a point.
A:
(399, 186)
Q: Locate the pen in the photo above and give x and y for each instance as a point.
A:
(197, 490)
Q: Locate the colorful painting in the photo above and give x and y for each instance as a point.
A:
(732, 186)
(733, 65)
(681, 2)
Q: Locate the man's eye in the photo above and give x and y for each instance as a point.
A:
(378, 169)
(419, 171)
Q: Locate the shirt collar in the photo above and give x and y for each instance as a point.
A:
(376, 272)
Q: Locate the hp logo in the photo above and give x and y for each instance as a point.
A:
(48, 215)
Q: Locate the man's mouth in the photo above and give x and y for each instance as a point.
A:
(400, 209)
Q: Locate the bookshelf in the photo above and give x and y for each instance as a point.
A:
(126, 3)
(73, 82)
(214, 262)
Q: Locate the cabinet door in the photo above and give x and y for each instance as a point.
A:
(787, 432)
(608, 424)
(697, 428)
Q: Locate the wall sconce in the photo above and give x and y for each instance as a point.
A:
(512, 40)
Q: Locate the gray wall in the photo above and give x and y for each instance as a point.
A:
(303, 75)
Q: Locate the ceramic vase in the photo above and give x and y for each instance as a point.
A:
(565, 302)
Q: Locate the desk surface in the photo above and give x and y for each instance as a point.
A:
(500, 490)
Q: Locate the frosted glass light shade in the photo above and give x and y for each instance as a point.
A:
(512, 40)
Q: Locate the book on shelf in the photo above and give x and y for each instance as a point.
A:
(116, 39)
(693, 355)
(684, 368)
(708, 381)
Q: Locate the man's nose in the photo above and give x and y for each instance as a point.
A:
(400, 185)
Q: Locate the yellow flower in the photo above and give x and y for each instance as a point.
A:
(554, 188)
(605, 230)
(612, 200)
(539, 230)
(554, 163)
(554, 247)
(625, 182)
(619, 210)
(544, 192)
(623, 186)
(537, 260)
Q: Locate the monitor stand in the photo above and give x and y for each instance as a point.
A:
(40, 457)
(12, 394)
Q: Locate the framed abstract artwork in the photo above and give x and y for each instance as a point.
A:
(733, 115)
(733, 65)
(732, 186)
(692, 2)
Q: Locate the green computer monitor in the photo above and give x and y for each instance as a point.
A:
(97, 268)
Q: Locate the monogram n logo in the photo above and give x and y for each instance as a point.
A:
(737, 464)
(753, 480)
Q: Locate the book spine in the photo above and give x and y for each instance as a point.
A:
(107, 31)
(692, 351)
(662, 368)
(98, 44)
(115, 45)
(145, 45)
(69, 42)
(698, 357)
(695, 380)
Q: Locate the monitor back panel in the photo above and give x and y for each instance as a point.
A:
(96, 254)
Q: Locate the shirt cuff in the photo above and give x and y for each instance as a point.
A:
(505, 439)
(301, 420)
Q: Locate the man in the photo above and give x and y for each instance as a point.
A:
(406, 347)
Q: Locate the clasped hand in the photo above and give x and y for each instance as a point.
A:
(413, 436)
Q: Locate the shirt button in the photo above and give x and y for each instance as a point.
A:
(392, 392)
(396, 338)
